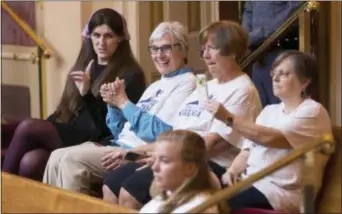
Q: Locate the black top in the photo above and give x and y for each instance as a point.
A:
(90, 123)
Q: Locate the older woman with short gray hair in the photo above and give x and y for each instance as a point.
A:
(176, 31)
(168, 46)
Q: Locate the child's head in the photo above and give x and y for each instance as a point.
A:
(180, 162)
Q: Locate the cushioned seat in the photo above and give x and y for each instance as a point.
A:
(16, 106)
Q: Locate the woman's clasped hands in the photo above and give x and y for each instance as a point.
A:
(114, 93)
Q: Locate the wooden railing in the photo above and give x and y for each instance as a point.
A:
(326, 144)
(22, 195)
(270, 41)
(47, 51)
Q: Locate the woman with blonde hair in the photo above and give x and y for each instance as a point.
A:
(181, 174)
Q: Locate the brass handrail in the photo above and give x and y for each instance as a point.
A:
(47, 51)
(240, 186)
(32, 57)
(308, 7)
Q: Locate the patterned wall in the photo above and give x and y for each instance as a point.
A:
(11, 33)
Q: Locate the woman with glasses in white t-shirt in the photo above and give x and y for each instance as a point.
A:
(279, 129)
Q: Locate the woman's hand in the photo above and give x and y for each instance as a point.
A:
(147, 161)
(117, 90)
(106, 94)
(231, 176)
(104, 91)
(114, 159)
(217, 109)
(82, 79)
(234, 172)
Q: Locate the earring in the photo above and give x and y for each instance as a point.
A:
(303, 94)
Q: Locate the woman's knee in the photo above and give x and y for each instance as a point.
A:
(215, 181)
(33, 163)
(127, 200)
(55, 158)
(108, 195)
(25, 127)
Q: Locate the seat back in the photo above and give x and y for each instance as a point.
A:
(15, 102)
(21, 195)
(329, 198)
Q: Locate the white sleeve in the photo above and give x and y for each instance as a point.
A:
(151, 207)
(174, 101)
(240, 104)
(248, 144)
(307, 125)
(196, 201)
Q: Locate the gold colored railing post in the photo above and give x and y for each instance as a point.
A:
(305, 26)
(47, 51)
(304, 33)
(308, 187)
(44, 52)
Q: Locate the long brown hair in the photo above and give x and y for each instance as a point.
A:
(121, 61)
(193, 150)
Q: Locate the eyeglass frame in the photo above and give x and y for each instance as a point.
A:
(204, 48)
(167, 48)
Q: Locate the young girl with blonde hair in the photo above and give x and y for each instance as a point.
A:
(181, 174)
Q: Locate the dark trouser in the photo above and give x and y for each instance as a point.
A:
(29, 150)
(250, 198)
(137, 183)
(262, 79)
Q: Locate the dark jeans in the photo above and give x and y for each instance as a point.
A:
(250, 198)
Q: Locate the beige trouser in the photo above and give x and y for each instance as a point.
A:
(76, 167)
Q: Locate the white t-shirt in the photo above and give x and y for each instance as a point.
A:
(162, 99)
(239, 96)
(155, 204)
(302, 126)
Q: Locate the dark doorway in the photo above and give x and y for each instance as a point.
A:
(230, 10)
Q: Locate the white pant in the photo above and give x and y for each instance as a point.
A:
(77, 167)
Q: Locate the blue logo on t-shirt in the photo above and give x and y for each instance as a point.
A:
(193, 103)
(147, 104)
(193, 109)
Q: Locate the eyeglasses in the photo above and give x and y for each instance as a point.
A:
(204, 48)
(165, 49)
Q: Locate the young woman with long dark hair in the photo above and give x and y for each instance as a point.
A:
(80, 115)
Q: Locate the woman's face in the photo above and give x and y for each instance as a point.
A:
(105, 42)
(217, 65)
(167, 55)
(168, 169)
(286, 83)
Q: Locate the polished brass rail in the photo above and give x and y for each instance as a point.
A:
(254, 56)
(47, 51)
